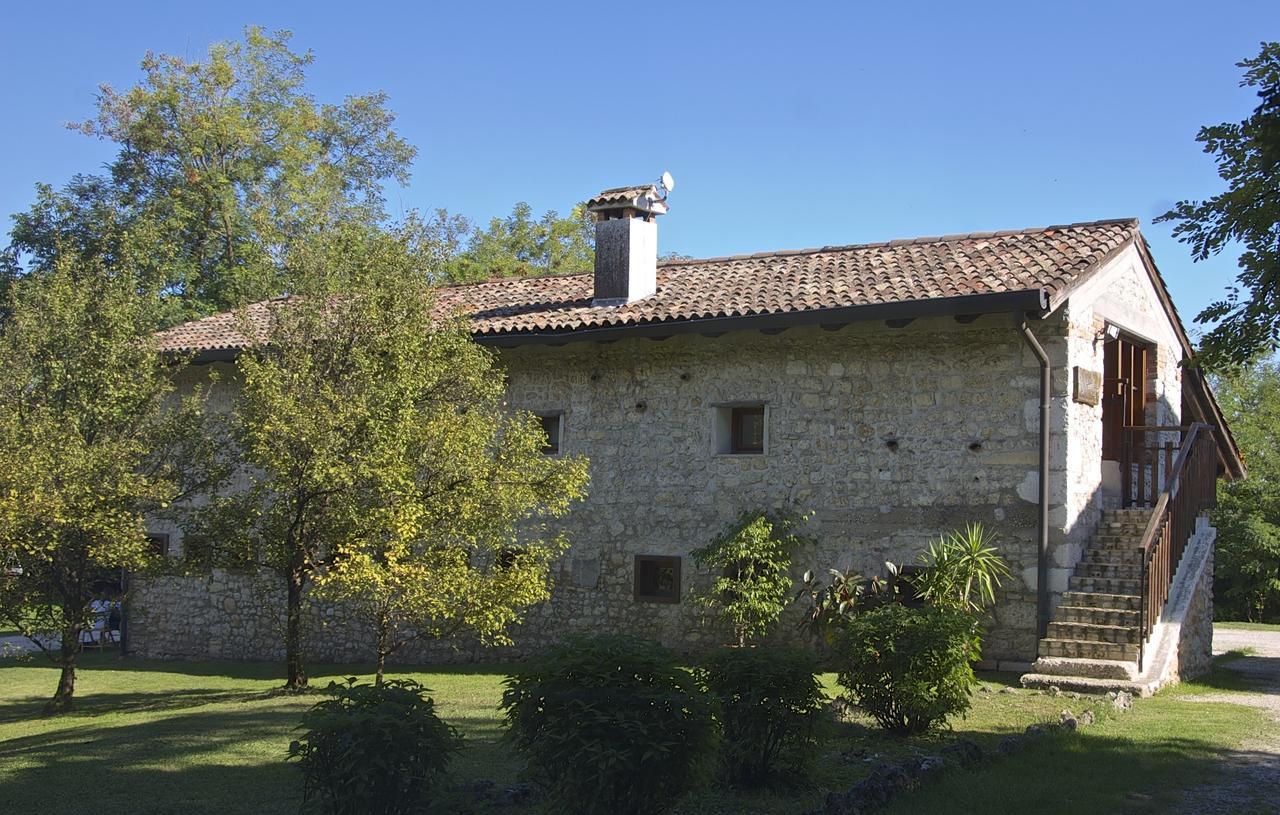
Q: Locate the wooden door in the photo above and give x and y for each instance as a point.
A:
(1124, 392)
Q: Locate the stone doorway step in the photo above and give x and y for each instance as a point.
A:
(1092, 641)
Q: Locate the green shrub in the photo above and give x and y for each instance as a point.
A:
(768, 700)
(829, 605)
(373, 750)
(909, 667)
(753, 559)
(961, 570)
(610, 724)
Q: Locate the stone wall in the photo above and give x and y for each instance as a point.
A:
(887, 436)
(1121, 294)
(1195, 645)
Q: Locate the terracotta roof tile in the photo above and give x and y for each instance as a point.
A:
(1050, 258)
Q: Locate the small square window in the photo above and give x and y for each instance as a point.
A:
(746, 428)
(551, 427)
(657, 579)
(159, 544)
(508, 557)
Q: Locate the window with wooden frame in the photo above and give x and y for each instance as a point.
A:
(741, 429)
(159, 543)
(551, 425)
(657, 579)
(746, 429)
(508, 556)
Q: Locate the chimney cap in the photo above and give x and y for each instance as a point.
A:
(643, 198)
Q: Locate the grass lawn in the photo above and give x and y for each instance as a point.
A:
(151, 737)
(1249, 626)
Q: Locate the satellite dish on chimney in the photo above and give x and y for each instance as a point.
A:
(667, 182)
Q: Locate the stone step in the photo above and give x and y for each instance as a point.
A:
(1104, 585)
(1085, 684)
(1091, 668)
(1128, 512)
(1101, 600)
(1098, 616)
(1116, 542)
(1092, 568)
(1131, 557)
(1089, 632)
(1077, 649)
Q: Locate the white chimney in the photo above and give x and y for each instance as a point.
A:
(627, 242)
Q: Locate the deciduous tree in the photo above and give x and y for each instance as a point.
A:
(91, 442)
(230, 162)
(1246, 322)
(1247, 566)
(382, 466)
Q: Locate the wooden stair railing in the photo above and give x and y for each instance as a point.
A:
(1189, 489)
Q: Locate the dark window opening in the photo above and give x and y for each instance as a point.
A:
(159, 544)
(551, 427)
(657, 579)
(746, 429)
(507, 557)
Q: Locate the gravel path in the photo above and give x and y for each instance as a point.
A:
(1252, 782)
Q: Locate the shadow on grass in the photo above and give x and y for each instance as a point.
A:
(227, 760)
(1241, 670)
(189, 763)
(319, 672)
(1094, 773)
(98, 703)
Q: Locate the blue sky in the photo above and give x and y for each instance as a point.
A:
(786, 125)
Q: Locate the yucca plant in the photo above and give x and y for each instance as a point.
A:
(961, 570)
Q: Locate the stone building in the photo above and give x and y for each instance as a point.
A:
(895, 390)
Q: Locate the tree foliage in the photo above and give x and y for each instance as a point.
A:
(1247, 564)
(223, 165)
(380, 461)
(610, 724)
(767, 702)
(752, 563)
(518, 245)
(1248, 212)
(373, 750)
(909, 667)
(91, 442)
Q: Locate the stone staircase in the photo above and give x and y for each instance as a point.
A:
(1095, 631)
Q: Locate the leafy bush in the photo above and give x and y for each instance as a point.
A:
(850, 592)
(962, 570)
(373, 750)
(610, 724)
(753, 558)
(768, 701)
(909, 667)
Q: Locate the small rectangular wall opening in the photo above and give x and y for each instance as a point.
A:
(657, 579)
(553, 427)
(742, 429)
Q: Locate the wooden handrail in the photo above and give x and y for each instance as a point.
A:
(1172, 480)
(1189, 489)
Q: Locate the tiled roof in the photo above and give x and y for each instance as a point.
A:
(901, 271)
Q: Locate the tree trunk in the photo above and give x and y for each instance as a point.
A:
(64, 695)
(383, 625)
(297, 676)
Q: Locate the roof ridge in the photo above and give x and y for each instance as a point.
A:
(958, 236)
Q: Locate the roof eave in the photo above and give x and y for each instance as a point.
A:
(1033, 301)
